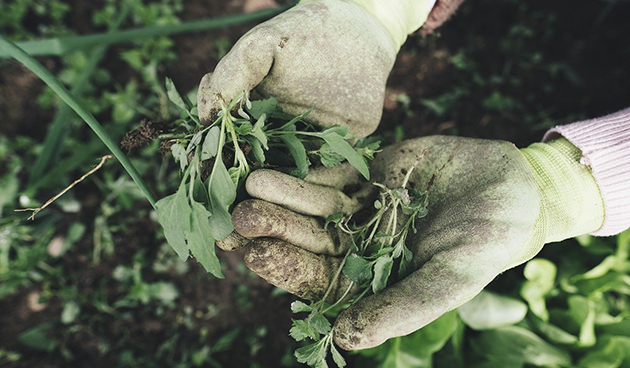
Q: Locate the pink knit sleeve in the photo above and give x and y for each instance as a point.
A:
(605, 145)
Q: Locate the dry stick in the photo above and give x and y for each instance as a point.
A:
(51, 200)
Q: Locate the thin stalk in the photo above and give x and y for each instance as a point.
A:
(37, 68)
(63, 45)
(337, 274)
(63, 118)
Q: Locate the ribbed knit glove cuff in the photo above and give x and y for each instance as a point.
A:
(605, 146)
(571, 203)
(399, 17)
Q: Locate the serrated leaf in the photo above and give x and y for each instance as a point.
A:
(243, 129)
(298, 306)
(174, 215)
(298, 152)
(210, 145)
(312, 354)
(328, 157)
(320, 323)
(302, 330)
(382, 270)
(337, 357)
(260, 107)
(357, 269)
(201, 241)
(343, 148)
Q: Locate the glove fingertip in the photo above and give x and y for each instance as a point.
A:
(206, 108)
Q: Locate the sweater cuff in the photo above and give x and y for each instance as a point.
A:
(605, 146)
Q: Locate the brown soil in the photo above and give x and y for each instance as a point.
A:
(423, 71)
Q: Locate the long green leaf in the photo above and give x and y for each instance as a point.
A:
(343, 148)
(37, 68)
(201, 241)
(63, 45)
(64, 118)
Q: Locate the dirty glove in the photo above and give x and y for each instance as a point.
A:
(334, 55)
(491, 207)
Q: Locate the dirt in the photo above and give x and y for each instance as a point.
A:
(143, 135)
(424, 70)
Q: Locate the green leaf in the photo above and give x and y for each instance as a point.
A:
(489, 310)
(221, 186)
(415, 350)
(583, 312)
(298, 306)
(328, 157)
(194, 141)
(382, 270)
(201, 241)
(512, 344)
(343, 148)
(611, 355)
(70, 312)
(263, 107)
(357, 269)
(180, 156)
(553, 333)
(259, 133)
(298, 152)
(36, 338)
(302, 330)
(257, 150)
(174, 96)
(337, 357)
(335, 219)
(210, 145)
(174, 215)
(367, 147)
(540, 274)
(312, 354)
(320, 323)
(341, 130)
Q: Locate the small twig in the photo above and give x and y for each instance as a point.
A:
(404, 184)
(51, 200)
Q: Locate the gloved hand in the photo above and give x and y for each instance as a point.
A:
(491, 207)
(334, 55)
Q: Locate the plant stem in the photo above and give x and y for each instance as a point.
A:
(63, 45)
(37, 68)
(64, 118)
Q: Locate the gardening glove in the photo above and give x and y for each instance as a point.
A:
(491, 207)
(333, 55)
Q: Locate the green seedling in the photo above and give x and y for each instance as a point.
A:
(376, 246)
(216, 159)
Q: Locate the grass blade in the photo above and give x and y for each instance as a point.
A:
(37, 68)
(64, 118)
(62, 45)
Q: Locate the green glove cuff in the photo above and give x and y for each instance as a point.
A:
(399, 17)
(571, 203)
